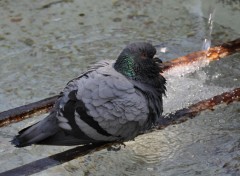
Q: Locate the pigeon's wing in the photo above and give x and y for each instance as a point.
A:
(48, 130)
(102, 105)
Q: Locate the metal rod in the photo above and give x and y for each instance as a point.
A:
(26, 111)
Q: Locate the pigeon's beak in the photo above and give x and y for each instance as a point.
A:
(156, 59)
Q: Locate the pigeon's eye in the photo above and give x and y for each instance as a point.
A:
(143, 55)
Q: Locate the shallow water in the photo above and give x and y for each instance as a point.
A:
(42, 48)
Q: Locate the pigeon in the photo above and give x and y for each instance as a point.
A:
(113, 101)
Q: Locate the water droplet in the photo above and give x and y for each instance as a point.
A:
(163, 50)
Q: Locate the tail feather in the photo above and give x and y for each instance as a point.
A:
(37, 132)
(47, 132)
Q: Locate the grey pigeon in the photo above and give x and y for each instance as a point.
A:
(112, 101)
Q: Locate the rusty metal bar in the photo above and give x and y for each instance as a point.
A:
(26, 111)
(211, 54)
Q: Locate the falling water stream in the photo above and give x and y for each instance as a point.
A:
(207, 40)
(43, 46)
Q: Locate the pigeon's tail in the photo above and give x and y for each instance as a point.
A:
(37, 132)
(47, 132)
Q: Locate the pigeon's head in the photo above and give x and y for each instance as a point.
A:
(137, 61)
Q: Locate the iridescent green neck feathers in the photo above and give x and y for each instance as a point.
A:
(125, 65)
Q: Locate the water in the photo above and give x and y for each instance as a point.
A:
(41, 49)
(207, 40)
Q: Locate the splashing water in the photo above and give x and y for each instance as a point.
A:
(207, 41)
